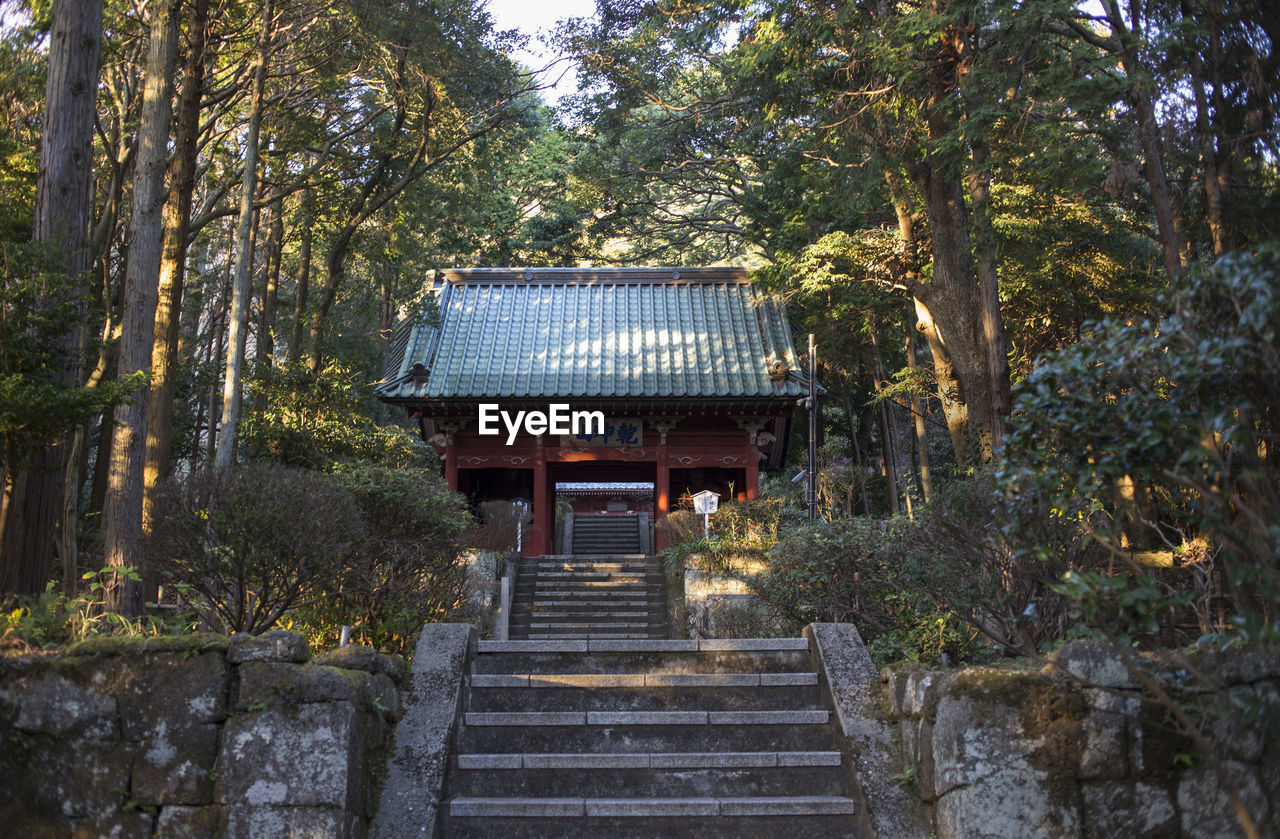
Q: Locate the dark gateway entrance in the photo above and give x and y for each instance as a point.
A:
(693, 369)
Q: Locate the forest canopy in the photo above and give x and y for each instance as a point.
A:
(214, 212)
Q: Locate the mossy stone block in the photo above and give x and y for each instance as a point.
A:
(276, 645)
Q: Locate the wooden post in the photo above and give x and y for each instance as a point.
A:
(538, 533)
(451, 464)
(753, 468)
(662, 489)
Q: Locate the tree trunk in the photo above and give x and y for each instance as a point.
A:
(304, 274)
(101, 466)
(270, 288)
(218, 328)
(886, 431)
(856, 431)
(173, 259)
(31, 497)
(335, 270)
(993, 339)
(1208, 158)
(122, 508)
(922, 435)
(954, 409)
(240, 290)
(1140, 89)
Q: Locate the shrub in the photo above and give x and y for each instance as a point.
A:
(314, 420)
(244, 546)
(680, 526)
(936, 585)
(407, 570)
(54, 619)
(1171, 425)
(853, 570)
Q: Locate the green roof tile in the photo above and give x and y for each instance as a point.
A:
(684, 333)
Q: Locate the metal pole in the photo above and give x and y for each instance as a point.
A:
(813, 430)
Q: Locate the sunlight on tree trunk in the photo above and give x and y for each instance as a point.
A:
(239, 314)
(122, 507)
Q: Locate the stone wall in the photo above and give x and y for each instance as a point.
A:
(1074, 751)
(719, 604)
(195, 736)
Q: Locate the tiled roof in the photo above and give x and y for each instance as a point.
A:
(594, 333)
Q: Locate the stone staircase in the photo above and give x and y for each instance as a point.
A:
(629, 738)
(617, 597)
(609, 534)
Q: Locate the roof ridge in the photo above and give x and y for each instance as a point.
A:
(585, 276)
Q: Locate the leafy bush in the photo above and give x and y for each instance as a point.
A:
(1172, 426)
(367, 546)
(1169, 429)
(854, 570)
(244, 546)
(936, 585)
(406, 571)
(54, 619)
(314, 420)
(680, 526)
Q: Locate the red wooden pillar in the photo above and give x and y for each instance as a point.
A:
(538, 538)
(752, 426)
(451, 463)
(662, 489)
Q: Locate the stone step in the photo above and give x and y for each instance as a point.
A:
(598, 567)
(600, 612)
(597, 636)
(585, 626)
(616, 775)
(589, 614)
(656, 698)
(570, 604)
(589, 574)
(639, 718)
(533, 594)
(585, 557)
(715, 827)
(646, 808)
(672, 731)
(616, 588)
(717, 645)
(640, 680)
(551, 625)
(649, 807)
(659, 760)
(637, 657)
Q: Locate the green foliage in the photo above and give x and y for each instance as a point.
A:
(739, 529)
(22, 82)
(368, 546)
(37, 311)
(854, 570)
(406, 571)
(1182, 410)
(948, 582)
(247, 545)
(312, 421)
(54, 619)
(703, 553)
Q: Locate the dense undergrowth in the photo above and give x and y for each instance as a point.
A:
(1135, 499)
